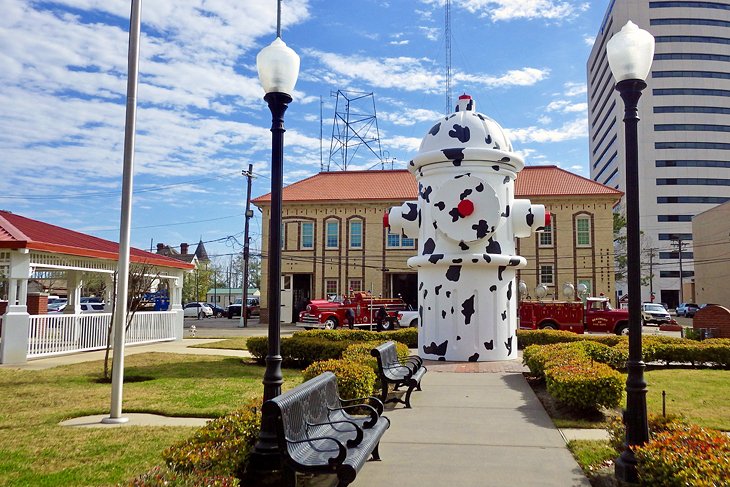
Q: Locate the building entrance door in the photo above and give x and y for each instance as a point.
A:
(405, 285)
(302, 293)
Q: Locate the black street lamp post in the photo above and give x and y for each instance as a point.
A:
(278, 67)
(630, 53)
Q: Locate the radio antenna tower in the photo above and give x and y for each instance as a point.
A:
(447, 36)
(355, 127)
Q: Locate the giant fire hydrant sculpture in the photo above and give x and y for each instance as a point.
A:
(466, 220)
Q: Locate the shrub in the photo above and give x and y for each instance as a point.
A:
(615, 357)
(685, 456)
(360, 352)
(525, 338)
(585, 386)
(164, 477)
(409, 336)
(220, 448)
(657, 424)
(354, 379)
(538, 358)
(298, 350)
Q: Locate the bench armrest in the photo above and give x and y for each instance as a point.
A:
(372, 400)
(371, 411)
(350, 443)
(341, 454)
(393, 367)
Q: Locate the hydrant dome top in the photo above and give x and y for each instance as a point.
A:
(467, 135)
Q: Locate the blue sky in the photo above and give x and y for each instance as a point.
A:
(201, 117)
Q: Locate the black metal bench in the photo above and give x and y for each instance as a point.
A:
(399, 373)
(318, 434)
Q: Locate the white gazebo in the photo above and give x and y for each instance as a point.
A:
(30, 249)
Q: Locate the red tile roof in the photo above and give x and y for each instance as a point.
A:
(19, 232)
(400, 185)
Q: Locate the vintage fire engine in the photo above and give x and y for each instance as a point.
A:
(365, 309)
(596, 315)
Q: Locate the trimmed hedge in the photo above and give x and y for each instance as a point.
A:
(713, 351)
(575, 374)
(354, 379)
(585, 385)
(409, 336)
(306, 347)
(685, 456)
(297, 350)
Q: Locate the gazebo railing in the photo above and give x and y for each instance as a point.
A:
(55, 334)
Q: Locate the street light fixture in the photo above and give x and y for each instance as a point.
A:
(630, 53)
(278, 68)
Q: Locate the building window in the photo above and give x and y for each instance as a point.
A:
(692, 182)
(331, 286)
(307, 235)
(675, 236)
(583, 232)
(356, 234)
(674, 218)
(397, 241)
(546, 274)
(692, 145)
(546, 236)
(691, 163)
(355, 285)
(283, 236)
(333, 234)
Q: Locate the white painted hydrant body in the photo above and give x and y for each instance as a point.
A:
(466, 220)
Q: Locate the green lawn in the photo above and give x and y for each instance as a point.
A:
(35, 450)
(700, 395)
(238, 343)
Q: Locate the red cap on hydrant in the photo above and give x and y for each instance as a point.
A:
(465, 208)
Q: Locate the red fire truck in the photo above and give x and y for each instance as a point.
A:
(362, 307)
(596, 315)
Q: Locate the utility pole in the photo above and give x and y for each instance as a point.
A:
(247, 217)
(678, 238)
(651, 274)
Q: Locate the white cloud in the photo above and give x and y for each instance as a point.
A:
(430, 33)
(513, 77)
(411, 74)
(573, 129)
(589, 40)
(402, 42)
(409, 116)
(566, 106)
(575, 89)
(503, 10)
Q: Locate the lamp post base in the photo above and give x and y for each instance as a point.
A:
(625, 467)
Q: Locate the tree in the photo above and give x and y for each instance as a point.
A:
(620, 251)
(197, 283)
(141, 278)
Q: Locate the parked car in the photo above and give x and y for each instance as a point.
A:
(218, 311)
(199, 310)
(654, 313)
(687, 309)
(93, 307)
(92, 299)
(408, 319)
(57, 305)
(252, 308)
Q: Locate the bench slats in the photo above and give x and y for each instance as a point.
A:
(316, 434)
(391, 370)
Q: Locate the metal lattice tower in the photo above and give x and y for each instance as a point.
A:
(355, 126)
(447, 37)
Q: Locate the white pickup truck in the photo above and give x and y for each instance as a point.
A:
(407, 319)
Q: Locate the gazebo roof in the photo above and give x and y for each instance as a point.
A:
(19, 232)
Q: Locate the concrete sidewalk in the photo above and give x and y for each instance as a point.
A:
(485, 428)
